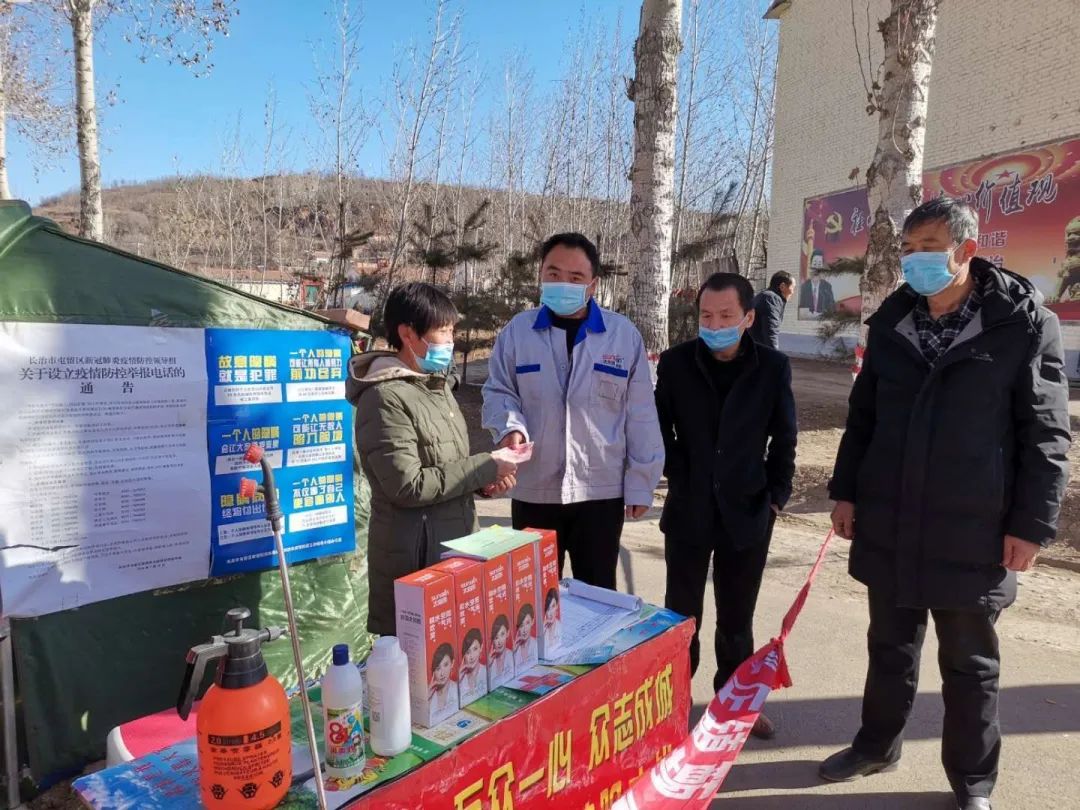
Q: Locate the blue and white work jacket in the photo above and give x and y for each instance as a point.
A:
(593, 421)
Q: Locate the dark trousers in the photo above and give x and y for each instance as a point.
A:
(970, 663)
(588, 531)
(736, 581)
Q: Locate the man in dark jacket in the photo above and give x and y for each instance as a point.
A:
(769, 308)
(948, 480)
(727, 415)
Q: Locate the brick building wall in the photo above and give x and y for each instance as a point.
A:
(1005, 76)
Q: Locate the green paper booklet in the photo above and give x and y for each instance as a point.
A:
(489, 543)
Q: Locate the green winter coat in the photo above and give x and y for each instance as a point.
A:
(414, 450)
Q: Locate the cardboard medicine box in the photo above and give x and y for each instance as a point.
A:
(427, 630)
(549, 613)
(523, 586)
(498, 619)
(471, 626)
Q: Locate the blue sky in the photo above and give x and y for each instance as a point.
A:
(166, 117)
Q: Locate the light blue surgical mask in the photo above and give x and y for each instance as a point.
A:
(438, 358)
(927, 272)
(564, 299)
(719, 339)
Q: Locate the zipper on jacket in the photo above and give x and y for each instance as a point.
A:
(421, 546)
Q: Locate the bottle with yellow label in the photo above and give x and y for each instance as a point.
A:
(343, 711)
(242, 728)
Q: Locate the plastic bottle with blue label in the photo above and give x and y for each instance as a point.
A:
(343, 713)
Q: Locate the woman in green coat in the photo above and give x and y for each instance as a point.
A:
(414, 446)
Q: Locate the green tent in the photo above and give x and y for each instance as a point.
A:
(81, 672)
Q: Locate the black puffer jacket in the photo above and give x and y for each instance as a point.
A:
(942, 463)
(732, 462)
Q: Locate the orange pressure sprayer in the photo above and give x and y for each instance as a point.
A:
(242, 728)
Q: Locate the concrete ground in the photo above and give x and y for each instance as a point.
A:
(1040, 702)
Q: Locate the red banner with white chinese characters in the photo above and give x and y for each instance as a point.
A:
(689, 777)
(578, 747)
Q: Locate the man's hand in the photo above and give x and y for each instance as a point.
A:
(634, 512)
(776, 509)
(843, 519)
(1020, 554)
(512, 439)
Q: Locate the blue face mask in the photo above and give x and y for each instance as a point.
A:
(719, 339)
(927, 272)
(438, 358)
(564, 299)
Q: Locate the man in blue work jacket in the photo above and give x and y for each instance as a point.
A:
(574, 379)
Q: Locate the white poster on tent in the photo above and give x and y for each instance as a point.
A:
(104, 479)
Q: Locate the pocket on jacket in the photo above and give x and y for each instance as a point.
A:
(609, 385)
(530, 385)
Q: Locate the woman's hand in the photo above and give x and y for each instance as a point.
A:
(500, 487)
(504, 469)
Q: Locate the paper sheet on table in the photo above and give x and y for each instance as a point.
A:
(588, 622)
(540, 680)
(488, 543)
(624, 601)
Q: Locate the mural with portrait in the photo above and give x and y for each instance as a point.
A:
(1029, 222)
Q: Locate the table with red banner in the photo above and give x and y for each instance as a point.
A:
(580, 745)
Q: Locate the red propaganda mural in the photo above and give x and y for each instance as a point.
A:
(1029, 222)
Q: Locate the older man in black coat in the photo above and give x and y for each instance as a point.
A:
(948, 481)
(727, 415)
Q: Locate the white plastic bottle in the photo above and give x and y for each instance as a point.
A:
(343, 713)
(388, 691)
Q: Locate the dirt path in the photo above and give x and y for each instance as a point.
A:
(821, 391)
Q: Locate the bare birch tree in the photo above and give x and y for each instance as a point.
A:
(894, 179)
(29, 92)
(754, 107)
(653, 91)
(512, 134)
(339, 115)
(183, 32)
(703, 146)
(417, 87)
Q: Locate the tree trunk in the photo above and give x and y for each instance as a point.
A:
(894, 179)
(687, 127)
(5, 189)
(91, 216)
(656, 56)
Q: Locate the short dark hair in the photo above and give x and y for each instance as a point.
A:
(501, 622)
(552, 597)
(526, 612)
(780, 278)
(961, 218)
(444, 650)
(422, 306)
(472, 637)
(729, 281)
(573, 240)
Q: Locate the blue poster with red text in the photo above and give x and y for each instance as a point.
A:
(283, 390)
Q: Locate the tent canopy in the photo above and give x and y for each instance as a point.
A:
(83, 671)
